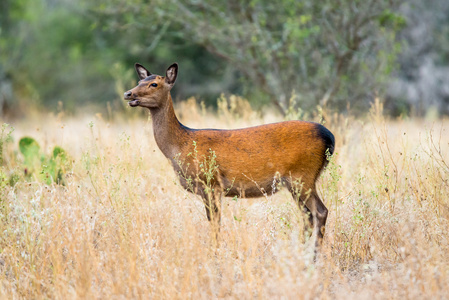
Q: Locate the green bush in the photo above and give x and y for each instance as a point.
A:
(48, 168)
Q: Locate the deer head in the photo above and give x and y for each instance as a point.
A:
(152, 90)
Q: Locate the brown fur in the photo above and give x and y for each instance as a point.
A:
(251, 161)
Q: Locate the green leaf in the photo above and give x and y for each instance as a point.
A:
(31, 152)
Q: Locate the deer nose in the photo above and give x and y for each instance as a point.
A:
(128, 94)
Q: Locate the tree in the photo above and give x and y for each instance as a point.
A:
(327, 52)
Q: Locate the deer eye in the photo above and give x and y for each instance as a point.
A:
(153, 84)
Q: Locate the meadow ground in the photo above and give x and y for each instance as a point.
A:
(122, 227)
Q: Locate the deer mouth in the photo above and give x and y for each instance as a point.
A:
(134, 102)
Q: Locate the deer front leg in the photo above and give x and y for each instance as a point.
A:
(212, 204)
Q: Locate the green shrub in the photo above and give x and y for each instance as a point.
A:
(48, 168)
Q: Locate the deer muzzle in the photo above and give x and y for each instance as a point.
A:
(132, 100)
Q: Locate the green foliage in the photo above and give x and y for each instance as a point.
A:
(334, 171)
(3, 194)
(49, 168)
(388, 18)
(208, 170)
(5, 137)
(58, 164)
(31, 152)
(329, 51)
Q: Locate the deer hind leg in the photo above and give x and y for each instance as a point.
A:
(319, 215)
(300, 199)
(313, 207)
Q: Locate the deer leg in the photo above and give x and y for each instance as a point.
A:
(308, 215)
(213, 211)
(319, 215)
(301, 199)
(212, 204)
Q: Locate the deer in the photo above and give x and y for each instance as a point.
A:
(248, 162)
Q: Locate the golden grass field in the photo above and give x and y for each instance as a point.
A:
(122, 227)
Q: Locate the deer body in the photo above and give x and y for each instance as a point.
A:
(249, 162)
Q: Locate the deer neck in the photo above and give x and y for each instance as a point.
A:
(168, 131)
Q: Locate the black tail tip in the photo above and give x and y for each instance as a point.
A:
(327, 137)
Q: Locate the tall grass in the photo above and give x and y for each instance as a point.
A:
(122, 227)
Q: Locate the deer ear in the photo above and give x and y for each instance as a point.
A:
(171, 74)
(141, 71)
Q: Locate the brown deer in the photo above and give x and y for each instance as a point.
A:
(248, 162)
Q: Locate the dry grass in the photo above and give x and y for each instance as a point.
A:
(122, 227)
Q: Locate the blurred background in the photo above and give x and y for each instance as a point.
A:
(284, 55)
